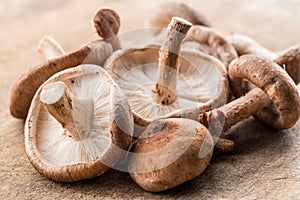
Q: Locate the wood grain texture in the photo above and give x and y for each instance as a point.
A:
(265, 163)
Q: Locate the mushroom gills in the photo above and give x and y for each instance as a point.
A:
(198, 81)
(56, 146)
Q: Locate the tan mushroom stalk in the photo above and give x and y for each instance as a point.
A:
(74, 114)
(79, 125)
(160, 16)
(165, 88)
(288, 59)
(172, 151)
(49, 48)
(23, 90)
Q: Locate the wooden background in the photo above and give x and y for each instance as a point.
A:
(266, 163)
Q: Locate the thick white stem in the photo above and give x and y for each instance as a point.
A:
(74, 114)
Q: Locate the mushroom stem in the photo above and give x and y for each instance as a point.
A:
(74, 114)
(223, 145)
(165, 88)
(49, 48)
(215, 128)
(238, 110)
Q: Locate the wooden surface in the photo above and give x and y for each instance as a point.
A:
(266, 162)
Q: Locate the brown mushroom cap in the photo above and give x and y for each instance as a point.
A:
(214, 43)
(246, 45)
(28, 82)
(170, 152)
(201, 85)
(107, 24)
(61, 158)
(161, 16)
(276, 83)
(289, 59)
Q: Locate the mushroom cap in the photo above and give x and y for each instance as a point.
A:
(201, 83)
(246, 45)
(214, 43)
(24, 88)
(284, 112)
(161, 16)
(106, 22)
(170, 152)
(290, 61)
(59, 157)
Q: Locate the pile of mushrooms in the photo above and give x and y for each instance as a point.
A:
(162, 106)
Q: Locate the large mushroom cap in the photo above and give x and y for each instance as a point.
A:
(201, 82)
(104, 125)
(170, 152)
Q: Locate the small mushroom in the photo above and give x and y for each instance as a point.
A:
(78, 126)
(169, 82)
(172, 151)
(95, 52)
(49, 48)
(162, 15)
(107, 24)
(288, 59)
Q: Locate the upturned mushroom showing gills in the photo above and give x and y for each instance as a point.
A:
(169, 82)
(95, 52)
(79, 125)
(172, 151)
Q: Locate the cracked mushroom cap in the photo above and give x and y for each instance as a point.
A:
(201, 84)
(78, 126)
